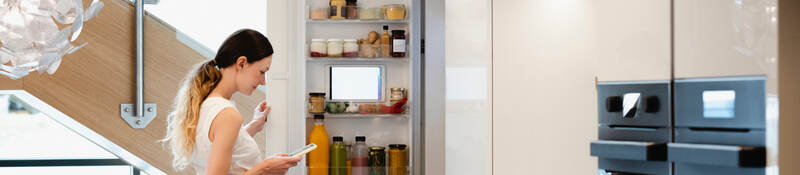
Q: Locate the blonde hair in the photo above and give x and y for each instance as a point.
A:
(182, 120)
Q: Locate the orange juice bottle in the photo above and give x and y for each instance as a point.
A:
(319, 158)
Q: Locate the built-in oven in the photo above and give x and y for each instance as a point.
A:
(634, 123)
(719, 126)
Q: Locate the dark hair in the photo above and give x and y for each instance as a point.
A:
(204, 77)
(245, 42)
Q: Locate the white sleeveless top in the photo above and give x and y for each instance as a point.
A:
(245, 150)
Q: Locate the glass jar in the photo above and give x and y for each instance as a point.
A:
(398, 43)
(397, 94)
(319, 48)
(316, 103)
(319, 12)
(337, 9)
(398, 159)
(395, 11)
(369, 13)
(335, 47)
(350, 48)
(377, 160)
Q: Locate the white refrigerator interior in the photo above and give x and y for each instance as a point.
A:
(355, 80)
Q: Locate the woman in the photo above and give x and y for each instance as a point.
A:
(205, 130)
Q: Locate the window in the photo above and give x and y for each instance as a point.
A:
(37, 139)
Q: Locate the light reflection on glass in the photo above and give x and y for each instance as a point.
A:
(718, 103)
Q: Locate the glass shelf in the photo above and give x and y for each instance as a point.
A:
(356, 21)
(360, 116)
(336, 59)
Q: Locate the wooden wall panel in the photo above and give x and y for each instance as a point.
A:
(789, 86)
(9, 84)
(92, 83)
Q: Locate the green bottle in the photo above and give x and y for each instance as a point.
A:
(338, 157)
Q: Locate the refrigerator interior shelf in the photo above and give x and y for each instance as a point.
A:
(359, 59)
(361, 116)
(339, 21)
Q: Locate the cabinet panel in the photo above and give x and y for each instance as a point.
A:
(633, 40)
(725, 38)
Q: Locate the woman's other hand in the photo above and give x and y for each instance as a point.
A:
(260, 114)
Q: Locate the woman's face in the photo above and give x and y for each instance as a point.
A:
(252, 74)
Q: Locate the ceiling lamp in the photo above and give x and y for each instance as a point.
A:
(31, 41)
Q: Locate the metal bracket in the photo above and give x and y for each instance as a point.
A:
(138, 122)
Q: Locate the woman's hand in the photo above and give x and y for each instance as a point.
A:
(260, 114)
(278, 164)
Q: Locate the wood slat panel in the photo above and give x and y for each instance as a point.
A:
(92, 83)
(9, 84)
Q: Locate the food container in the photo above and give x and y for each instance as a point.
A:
(398, 43)
(335, 47)
(337, 10)
(397, 94)
(319, 48)
(316, 103)
(398, 159)
(319, 12)
(350, 48)
(351, 12)
(370, 13)
(395, 11)
(369, 50)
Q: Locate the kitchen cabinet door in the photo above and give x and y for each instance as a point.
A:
(633, 40)
(718, 38)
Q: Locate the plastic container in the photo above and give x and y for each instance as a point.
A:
(318, 48)
(360, 156)
(319, 159)
(338, 157)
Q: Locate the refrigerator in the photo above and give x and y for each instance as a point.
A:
(363, 79)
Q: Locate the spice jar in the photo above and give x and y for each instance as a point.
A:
(351, 9)
(395, 11)
(319, 48)
(335, 47)
(316, 103)
(350, 48)
(398, 159)
(337, 9)
(397, 94)
(398, 43)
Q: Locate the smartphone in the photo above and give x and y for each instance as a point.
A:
(303, 151)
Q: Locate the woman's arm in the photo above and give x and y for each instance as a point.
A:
(260, 114)
(223, 132)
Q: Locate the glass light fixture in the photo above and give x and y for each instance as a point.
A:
(31, 41)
